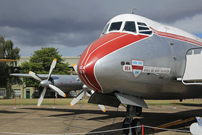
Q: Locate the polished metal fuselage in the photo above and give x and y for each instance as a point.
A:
(154, 51)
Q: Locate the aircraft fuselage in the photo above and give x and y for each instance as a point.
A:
(140, 63)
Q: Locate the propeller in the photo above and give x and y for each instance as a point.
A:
(77, 98)
(75, 68)
(81, 94)
(47, 83)
(102, 107)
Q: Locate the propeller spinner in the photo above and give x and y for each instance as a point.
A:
(47, 83)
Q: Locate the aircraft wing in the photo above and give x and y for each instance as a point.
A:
(42, 76)
(7, 60)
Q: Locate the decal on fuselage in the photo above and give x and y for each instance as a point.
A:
(156, 70)
(138, 67)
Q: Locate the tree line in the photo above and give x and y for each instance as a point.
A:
(40, 62)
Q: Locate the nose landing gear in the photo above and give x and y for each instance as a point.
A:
(130, 122)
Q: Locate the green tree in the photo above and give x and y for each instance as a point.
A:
(1, 45)
(40, 63)
(8, 52)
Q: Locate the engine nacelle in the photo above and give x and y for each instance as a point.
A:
(67, 83)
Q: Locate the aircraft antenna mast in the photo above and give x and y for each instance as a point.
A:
(132, 12)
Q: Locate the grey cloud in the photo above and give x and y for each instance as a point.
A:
(78, 23)
(169, 10)
(191, 24)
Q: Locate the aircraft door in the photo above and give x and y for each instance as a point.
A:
(193, 69)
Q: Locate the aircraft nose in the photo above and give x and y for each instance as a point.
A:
(93, 67)
(87, 74)
(98, 69)
(87, 68)
(90, 67)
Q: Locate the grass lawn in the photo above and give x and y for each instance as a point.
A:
(66, 101)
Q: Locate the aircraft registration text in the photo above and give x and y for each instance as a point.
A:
(137, 68)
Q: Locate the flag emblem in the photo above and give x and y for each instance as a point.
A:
(137, 67)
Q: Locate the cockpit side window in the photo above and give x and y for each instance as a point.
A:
(143, 28)
(105, 29)
(115, 26)
(130, 26)
(141, 24)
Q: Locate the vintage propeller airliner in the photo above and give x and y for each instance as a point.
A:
(135, 59)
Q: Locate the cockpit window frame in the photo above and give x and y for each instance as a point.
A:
(105, 30)
(109, 29)
(143, 28)
(129, 30)
(140, 28)
(141, 24)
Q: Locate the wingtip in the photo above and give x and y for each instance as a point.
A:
(104, 110)
(29, 72)
(65, 95)
(70, 104)
(37, 106)
(74, 65)
(55, 59)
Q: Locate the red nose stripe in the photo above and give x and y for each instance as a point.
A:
(100, 48)
(99, 42)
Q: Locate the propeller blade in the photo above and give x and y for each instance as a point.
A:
(34, 75)
(92, 91)
(60, 92)
(41, 97)
(76, 99)
(51, 68)
(87, 94)
(75, 68)
(102, 107)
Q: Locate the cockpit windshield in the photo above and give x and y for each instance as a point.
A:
(105, 29)
(127, 26)
(130, 26)
(115, 26)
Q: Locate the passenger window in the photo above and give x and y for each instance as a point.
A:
(130, 26)
(115, 26)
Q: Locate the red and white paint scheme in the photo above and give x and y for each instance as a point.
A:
(136, 58)
(115, 38)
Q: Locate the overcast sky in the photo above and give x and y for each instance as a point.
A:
(71, 25)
